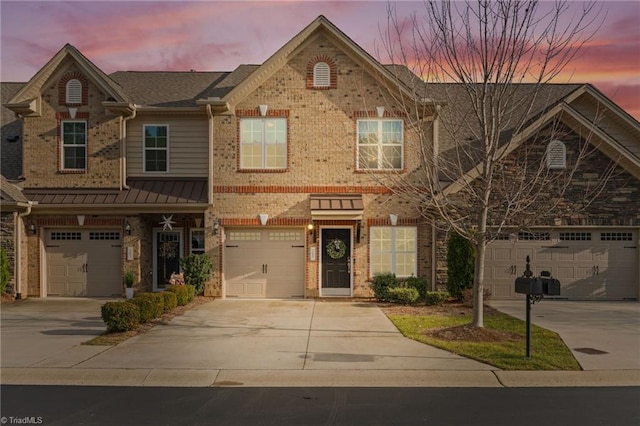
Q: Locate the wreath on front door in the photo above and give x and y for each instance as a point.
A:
(336, 248)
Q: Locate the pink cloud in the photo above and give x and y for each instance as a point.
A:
(217, 35)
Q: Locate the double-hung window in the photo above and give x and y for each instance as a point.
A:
(263, 143)
(393, 249)
(74, 145)
(156, 148)
(380, 144)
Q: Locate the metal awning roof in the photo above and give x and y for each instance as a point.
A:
(336, 206)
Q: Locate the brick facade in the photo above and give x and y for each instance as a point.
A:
(42, 140)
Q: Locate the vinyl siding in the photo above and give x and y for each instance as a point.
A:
(188, 146)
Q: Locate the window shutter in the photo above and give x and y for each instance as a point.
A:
(321, 75)
(556, 155)
(74, 92)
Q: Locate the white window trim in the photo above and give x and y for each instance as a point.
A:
(380, 144)
(393, 251)
(553, 162)
(62, 123)
(191, 250)
(144, 148)
(73, 96)
(319, 81)
(264, 151)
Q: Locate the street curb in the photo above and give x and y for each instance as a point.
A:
(315, 378)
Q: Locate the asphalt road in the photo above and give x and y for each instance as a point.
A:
(77, 405)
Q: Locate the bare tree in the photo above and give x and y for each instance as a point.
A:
(484, 70)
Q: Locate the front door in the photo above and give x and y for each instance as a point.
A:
(336, 262)
(167, 248)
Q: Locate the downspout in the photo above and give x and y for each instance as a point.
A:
(17, 263)
(210, 183)
(123, 168)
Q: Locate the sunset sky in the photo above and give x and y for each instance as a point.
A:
(219, 36)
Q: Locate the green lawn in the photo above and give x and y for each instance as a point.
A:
(548, 351)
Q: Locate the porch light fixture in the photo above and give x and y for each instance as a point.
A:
(393, 218)
(263, 218)
(263, 110)
(32, 228)
(127, 228)
(80, 218)
(216, 226)
(380, 111)
(311, 233)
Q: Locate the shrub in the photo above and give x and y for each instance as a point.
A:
(170, 301)
(436, 297)
(184, 293)
(197, 270)
(120, 316)
(467, 296)
(404, 295)
(151, 305)
(461, 258)
(419, 284)
(191, 292)
(381, 285)
(4, 270)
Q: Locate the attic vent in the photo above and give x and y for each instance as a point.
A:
(74, 91)
(556, 155)
(321, 75)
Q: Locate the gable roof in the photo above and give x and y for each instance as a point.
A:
(11, 197)
(25, 96)
(584, 109)
(280, 58)
(11, 134)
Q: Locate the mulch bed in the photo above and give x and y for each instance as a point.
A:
(460, 333)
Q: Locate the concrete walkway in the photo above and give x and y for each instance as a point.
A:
(248, 343)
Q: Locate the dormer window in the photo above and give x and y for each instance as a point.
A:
(74, 92)
(556, 155)
(321, 75)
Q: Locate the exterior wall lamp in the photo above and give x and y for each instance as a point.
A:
(312, 234)
(32, 228)
(216, 226)
(127, 228)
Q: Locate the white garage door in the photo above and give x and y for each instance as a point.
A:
(264, 262)
(83, 262)
(590, 264)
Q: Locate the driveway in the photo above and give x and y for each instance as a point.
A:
(601, 335)
(279, 335)
(221, 335)
(44, 332)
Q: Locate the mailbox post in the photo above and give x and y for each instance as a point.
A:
(535, 289)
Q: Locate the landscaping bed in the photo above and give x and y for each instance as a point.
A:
(501, 342)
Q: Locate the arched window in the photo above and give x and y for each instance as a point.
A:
(74, 91)
(321, 75)
(556, 155)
